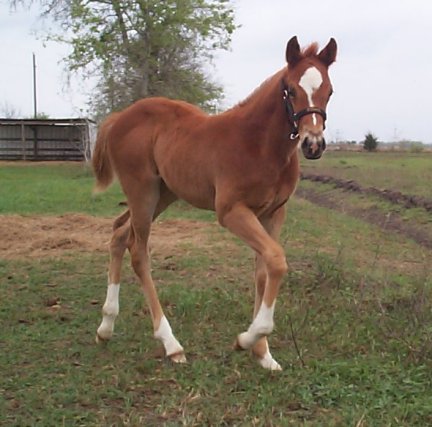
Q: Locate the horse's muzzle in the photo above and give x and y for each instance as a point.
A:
(313, 149)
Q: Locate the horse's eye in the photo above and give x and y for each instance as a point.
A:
(291, 92)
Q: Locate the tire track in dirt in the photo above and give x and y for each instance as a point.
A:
(390, 221)
(396, 197)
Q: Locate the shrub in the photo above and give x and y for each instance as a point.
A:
(371, 142)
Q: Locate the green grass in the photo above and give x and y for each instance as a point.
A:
(353, 328)
(55, 189)
(406, 172)
(366, 351)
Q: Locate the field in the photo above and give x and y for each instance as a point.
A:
(353, 320)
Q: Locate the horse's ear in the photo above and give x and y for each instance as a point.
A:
(293, 54)
(328, 54)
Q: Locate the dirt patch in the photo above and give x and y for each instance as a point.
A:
(52, 236)
(396, 197)
(387, 221)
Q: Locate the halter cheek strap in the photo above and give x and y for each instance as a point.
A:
(294, 117)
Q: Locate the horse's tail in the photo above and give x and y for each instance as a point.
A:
(101, 161)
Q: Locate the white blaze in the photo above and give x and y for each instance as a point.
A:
(310, 82)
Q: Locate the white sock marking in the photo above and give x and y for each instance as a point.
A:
(310, 82)
(268, 362)
(261, 326)
(164, 334)
(110, 311)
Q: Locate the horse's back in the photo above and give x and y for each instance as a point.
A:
(156, 111)
(169, 139)
(143, 124)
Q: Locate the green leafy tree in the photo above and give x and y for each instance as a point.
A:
(371, 142)
(141, 48)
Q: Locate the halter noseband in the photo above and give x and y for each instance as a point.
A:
(294, 117)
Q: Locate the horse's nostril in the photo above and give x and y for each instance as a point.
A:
(313, 147)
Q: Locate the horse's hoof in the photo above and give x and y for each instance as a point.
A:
(244, 341)
(178, 357)
(100, 340)
(237, 346)
(270, 364)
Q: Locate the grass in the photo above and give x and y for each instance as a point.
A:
(345, 201)
(406, 172)
(352, 331)
(59, 188)
(54, 189)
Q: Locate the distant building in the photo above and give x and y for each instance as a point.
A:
(46, 139)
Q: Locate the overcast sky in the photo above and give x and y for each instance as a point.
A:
(382, 78)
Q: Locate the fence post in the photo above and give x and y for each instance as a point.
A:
(23, 141)
(36, 145)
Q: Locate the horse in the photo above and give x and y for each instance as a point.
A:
(242, 163)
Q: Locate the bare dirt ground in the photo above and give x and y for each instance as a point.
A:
(396, 197)
(53, 236)
(389, 221)
(40, 236)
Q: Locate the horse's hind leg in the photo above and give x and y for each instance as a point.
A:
(118, 245)
(120, 241)
(144, 207)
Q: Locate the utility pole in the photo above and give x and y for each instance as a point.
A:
(36, 143)
(34, 87)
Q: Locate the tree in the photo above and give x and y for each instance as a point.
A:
(371, 142)
(40, 116)
(141, 48)
(8, 111)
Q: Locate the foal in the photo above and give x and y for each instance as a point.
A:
(243, 164)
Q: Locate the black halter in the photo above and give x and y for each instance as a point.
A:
(293, 117)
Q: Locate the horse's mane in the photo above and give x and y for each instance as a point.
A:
(252, 95)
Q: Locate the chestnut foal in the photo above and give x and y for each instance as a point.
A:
(243, 164)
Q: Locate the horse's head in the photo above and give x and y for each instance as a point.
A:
(306, 91)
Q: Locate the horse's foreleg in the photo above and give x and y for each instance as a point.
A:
(110, 310)
(242, 222)
(261, 348)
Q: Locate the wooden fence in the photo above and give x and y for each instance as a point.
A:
(50, 139)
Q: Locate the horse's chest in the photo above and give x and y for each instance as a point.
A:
(276, 191)
(282, 192)
(286, 180)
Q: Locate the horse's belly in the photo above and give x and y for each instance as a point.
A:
(199, 199)
(195, 190)
(187, 171)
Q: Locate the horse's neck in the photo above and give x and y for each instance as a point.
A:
(264, 114)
